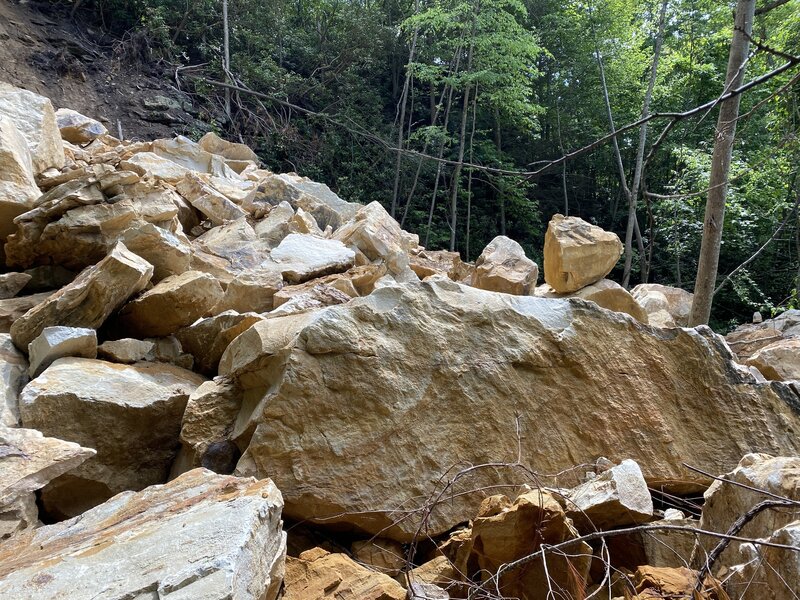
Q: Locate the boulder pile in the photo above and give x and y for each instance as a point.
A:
(222, 382)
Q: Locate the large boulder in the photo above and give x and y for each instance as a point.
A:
(77, 128)
(35, 118)
(302, 257)
(605, 293)
(665, 306)
(18, 188)
(131, 414)
(404, 381)
(503, 267)
(89, 300)
(577, 253)
(779, 360)
(200, 536)
(13, 377)
(213, 204)
(768, 573)
(207, 339)
(58, 342)
(174, 303)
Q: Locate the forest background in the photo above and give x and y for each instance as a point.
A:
(455, 114)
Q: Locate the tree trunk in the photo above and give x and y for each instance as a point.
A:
(469, 178)
(226, 59)
(720, 165)
(498, 143)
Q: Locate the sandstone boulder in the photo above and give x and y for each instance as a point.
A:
(440, 262)
(303, 257)
(14, 308)
(13, 377)
(214, 144)
(130, 414)
(276, 225)
(127, 351)
(605, 293)
(35, 118)
(503, 267)
(169, 253)
(358, 369)
(617, 497)
(59, 342)
(207, 339)
(384, 556)
(666, 306)
(200, 536)
(779, 360)
(152, 165)
(318, 296)
(213, 204)
(252, 290)
(768, 573)
(319, 574)
(89, 300)
(577, 253)
(77, 128)
(18, 188)
(12, 283)
(190, 155)
(175, 302)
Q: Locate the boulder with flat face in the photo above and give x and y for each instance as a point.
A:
(666, 306)
(404, 381)
(77, 128)
(779, 360)
(89, 300)
(577, 253)
(131, 414)
(200, 536)
(34, 116)
(503, 267)
(605, 293)
(302, 257)
(18, 189)
(13, 377)
(58, 342)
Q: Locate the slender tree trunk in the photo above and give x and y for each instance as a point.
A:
(720, 166)
(563, 164)
(469, 178)
(226, 59)
(498, 143)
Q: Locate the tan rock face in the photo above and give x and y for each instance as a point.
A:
(174, 303)
(130, 414)
(779, 360)
(440, 262)
(303, 257)
(214, 144)
(725, 502)
(77, 128)
(504, 532)
(90, 299)
(18, 188)
(214, 205)
(14, 308)
(320, 574)
(503, 267)
(252, 290)
(200, 536)
(384, 556)
(666, 306)
(12, 283)
(605, 293)
(552, 361)
(768, 573)
(169, 253)
(207, 339)
(13, 377)
(35, 118)
(313, 298)
(577, 253)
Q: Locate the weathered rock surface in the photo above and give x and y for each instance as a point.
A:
(384, 556)
(127, 351)
(577, 253)
(605, 293)
(130, 414)
(207, 339)
(28, 461)
(18, 189)
(617, 497)
(503, 267)
(303, 257)
(213, 204)
(779, 360)
(13, 377)
(14, 308)
(12, 283)
(59, 342)
(200, 536)
(486, 358)
(35, 118)
(318, 296)
(89, 300)
(77, 128)
(666, 306)
(174, 303)
(169, 253)
(251, 290)
(320, 574)
(768, 573)
(440, 262)
(726, 502)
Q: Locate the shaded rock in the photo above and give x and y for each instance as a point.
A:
(440, 262)
(605, 293)
(503, 267)
(214, 205)
(208, 338)
(320, 574)
(89, 300)
(175, 302)
(14, 308)
(319, 296)
(384, 556)
(13, 376)
(768, 573)
(676, 583)
(503, 532)
(130, 414)
(725, 502)
(207, 427)
(276, 225)
(666, 306)
(779, 360)
(669, 548)
(303, 257)
(59, 342)
(127, 351)
(577, 253)
(617, 497)
(251, 290)
(214, 144)
(439, 572)
(411, 359)
(48, 277)
(12, 283)
(18, 189)
(746, 340)
(34, 117)
(170, 254)
(77, 128)
(28, 461)
(200, 536)
(342, 283)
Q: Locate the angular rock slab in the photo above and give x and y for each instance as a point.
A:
(605, 293)
(200, 536)
(77, 128)
(131, 414)
(13, 377)
(89, 300)
(779, 360)
(302, 257)
(666, 306)
(404, 381)
(58, 342)
(18, 189)
(769, 573)
(577, 253)
(503, 267)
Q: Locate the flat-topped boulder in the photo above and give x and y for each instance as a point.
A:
(200, 536)
(302, 257)
(605, 293)
(18, 189)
